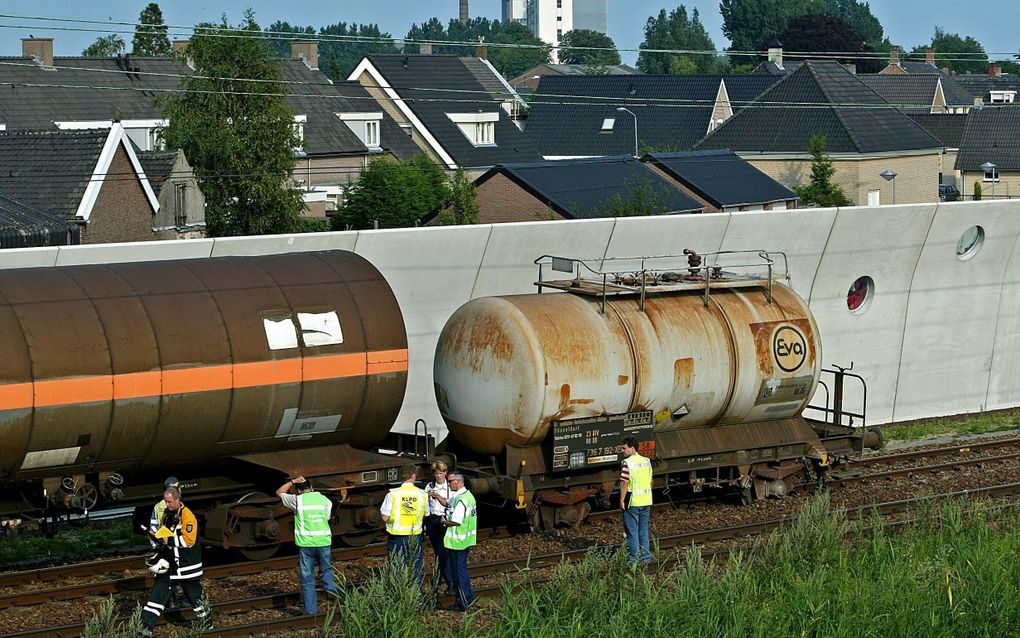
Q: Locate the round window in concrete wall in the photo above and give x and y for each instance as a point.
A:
(970, 242)
(858, 298)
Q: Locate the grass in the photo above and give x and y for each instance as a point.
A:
(75, 543)
(979, 423)
(951, 574)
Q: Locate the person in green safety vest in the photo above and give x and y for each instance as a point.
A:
(461, 535)
(312, 535)
(636, 482)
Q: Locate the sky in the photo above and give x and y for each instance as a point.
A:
(907, 22)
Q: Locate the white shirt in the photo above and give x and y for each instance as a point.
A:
(458, 512)
(435, 507)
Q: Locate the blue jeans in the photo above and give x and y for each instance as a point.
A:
(458, 560)
(635, 521)
(407, 549)
(308, 557)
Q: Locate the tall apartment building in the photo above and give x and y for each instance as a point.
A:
(550, 19)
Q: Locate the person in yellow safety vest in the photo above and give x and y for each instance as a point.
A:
(313, 537)
(403, 511)
(636, 482)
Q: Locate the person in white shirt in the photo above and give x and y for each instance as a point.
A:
(439, 496)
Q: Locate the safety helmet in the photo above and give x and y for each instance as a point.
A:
(161, 566)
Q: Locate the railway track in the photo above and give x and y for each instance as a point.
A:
(532, 564)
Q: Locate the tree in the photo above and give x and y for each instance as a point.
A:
(977, 192)
(341, 45)
(105, 46)
(829, 34)
(591, 55)
(641, 199)
(236, 130)
(393, 195)
(150, 34)
(462, 208)
(750, 24)
(677, 31)
(858, 15)
(956, 53)
(821, 191)
(513, 61)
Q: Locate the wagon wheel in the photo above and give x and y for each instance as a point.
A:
(257, 553)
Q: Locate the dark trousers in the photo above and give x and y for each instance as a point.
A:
(436, 532)
(407, 550)
(162, 588)
(458, 560)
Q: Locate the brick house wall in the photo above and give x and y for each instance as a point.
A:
(709, 208)
(501, 200)
(1008, 186)
(122, 211)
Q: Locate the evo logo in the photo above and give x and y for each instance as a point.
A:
(789, 348)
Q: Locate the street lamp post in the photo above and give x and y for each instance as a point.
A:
(620, 108)
(890, 176)
(988, 167)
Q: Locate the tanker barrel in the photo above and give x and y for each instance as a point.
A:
(479, 486)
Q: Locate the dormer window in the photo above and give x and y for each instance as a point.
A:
(299, 130)
(607, 125)
(478, 128)
(1002, 97)
(365, 126)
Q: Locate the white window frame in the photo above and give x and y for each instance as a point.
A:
(478, 128)
(992, 175)
(608, 123)
(875, 197)
(361, 124)
(1002, 97)
(299, 130)
(372, 133)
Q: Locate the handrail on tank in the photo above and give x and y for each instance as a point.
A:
(697, 269)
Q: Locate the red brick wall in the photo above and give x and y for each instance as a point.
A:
(500, 200)
(122, 211)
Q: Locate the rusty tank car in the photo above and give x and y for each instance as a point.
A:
(711, 369)
(229, 372)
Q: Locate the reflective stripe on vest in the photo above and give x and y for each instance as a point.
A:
(640, 482)
(311, 521)
(407, 509)
(464, 535)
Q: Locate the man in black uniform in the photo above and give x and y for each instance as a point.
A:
(184, 566)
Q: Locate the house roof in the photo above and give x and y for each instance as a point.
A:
(104, 89)
(819, 97)
(432, 86)
(50, 170)
(22, 226)
(919, 67)
(721, 178)
(157, 166)
(990, 136)
(584, 188)
(768, 67)
(673, 111)
(916, 93)
(981, 84)
(945, 127)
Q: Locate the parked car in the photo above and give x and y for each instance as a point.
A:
(948, 192)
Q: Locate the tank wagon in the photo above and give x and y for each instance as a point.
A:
(229, 372)
(710, 368)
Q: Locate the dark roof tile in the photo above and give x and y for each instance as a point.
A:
(991, 136)
(721, 177)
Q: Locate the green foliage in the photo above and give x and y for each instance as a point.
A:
(642, 198)
(69, 544)
(393, 194)
(462, 208)
(828, 33)
(948, 49)
(312, 225)
(858, 15)
(510, 61)
(151, 38)
(592, 39)
(236, 131)
(677, 31)
(341, 46)
(389, 604)
(979, 423)
(1009, 66)
(821, 191)
(977, 191)
(104, 622)
(105, 46)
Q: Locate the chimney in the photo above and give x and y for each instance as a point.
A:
(850, 66)
(39, 48)
(978, 101)
(425, 48)
(481, 51)
(464, 13)
(894, 56)
(993, 70)
(776, 52)
(929, 55)
(307, 50)
(179, 46)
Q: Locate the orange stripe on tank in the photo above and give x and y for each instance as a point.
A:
(133, 385)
